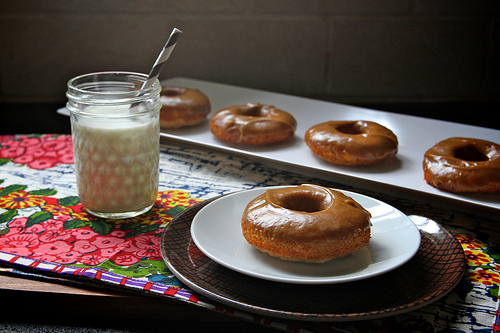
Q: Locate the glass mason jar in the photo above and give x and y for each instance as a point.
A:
(116, 134)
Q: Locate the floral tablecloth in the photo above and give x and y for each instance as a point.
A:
(44, 230)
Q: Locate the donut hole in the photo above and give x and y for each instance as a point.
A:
(470, 153)
(173, 91)
(303, 201)
(254, 111)
(350, 128)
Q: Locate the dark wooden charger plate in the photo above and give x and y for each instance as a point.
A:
(436, 269)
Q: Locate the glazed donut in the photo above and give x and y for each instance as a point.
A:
(463, 165)
(182, 107)
(307, 223)
(253, 123)
(352, 142)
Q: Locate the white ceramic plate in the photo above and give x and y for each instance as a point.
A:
(216, 231)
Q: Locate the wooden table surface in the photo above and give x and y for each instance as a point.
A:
(65, 306)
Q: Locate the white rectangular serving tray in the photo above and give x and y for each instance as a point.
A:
(415, 135)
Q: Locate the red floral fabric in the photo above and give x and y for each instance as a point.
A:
(37, 151)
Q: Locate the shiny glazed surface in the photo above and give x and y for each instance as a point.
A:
(306, 212)
(463, 165)
(352, 142)
(253, 123)
(182, 107)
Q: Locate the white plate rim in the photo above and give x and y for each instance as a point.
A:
(237, 265)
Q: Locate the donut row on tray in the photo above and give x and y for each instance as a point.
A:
(454, 165)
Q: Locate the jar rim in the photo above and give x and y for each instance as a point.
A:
(110, 88)
(113, 86)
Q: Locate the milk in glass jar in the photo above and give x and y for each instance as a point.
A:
(115, 129)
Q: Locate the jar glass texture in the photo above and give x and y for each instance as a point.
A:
(116, 134)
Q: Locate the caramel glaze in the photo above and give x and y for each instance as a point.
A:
(182, 107)
(306, 213)
(352, 142)
(463, 165)
(253, 123)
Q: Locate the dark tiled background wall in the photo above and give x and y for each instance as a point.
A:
(349, 51)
